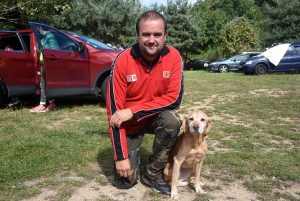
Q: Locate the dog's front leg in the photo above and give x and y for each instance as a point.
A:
(197, 183)
(175, 176)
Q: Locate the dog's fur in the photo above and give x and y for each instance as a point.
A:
(186, 157)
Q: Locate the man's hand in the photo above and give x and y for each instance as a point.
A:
(119, 117)
(123, 168)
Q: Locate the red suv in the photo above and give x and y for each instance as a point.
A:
(80, 66)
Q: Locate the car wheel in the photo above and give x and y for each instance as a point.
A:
(260, 69)
(3, 99)
(191, 69)
(223, 69)
(104, 88)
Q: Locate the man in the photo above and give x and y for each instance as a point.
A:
(146, 86)
(48, 42)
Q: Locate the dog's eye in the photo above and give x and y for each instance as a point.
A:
(202, 119)
(191, 118)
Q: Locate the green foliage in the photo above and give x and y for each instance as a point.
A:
(14, 14)
(283, 21)
(183, 29)
(111, 21)
(237, 36)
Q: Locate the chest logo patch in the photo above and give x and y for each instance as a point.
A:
(131, 78)
(166, 74)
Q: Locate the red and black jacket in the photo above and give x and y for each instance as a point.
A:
(146, 88)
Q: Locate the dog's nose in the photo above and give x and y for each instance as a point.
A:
(196, 126)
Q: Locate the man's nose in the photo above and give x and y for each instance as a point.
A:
(151, 39)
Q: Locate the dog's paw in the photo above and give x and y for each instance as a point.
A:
(200, 191)
(174, 196)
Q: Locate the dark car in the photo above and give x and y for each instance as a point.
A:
(80, 66)
(232, 63)
(272, 61)
(197, 64)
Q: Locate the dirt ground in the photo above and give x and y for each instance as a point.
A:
(92, 190)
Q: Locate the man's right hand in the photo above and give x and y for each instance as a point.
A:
(123, 168)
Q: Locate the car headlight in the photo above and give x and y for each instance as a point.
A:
(249, 62)
(212, 63)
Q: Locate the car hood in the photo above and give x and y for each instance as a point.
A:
(275, 54)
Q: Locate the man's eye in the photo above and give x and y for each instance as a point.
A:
(146, 34)
(157, 35)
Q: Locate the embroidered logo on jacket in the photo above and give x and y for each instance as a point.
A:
(166, 74)
(131, 78)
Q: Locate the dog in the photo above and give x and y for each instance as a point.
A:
(186, 157)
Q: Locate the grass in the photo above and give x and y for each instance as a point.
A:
(255, 137)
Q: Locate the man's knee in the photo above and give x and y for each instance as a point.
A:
(169, 119)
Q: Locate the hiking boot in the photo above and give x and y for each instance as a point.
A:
(38, 109)
(159, 185)
(51, 106)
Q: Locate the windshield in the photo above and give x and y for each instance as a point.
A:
(93, 42)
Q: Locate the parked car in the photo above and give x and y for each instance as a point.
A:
(81, 65)
(280, 58)
(197, 64)
(232, 63)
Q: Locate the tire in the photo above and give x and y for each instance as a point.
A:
(260, 69)
(104, 88)
(3, 97)
(223, 68)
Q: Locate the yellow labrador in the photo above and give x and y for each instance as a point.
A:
(186, 157)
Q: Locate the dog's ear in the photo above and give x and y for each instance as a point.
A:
(208, 127)
(185, 124)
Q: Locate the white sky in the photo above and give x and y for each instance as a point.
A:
(148, 2)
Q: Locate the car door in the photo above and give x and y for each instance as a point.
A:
(234, 65)
(67, 67)
(296, 59)
(17, 67)
(285, 63)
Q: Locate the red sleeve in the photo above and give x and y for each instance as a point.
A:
(117, 85)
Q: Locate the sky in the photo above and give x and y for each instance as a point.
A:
(148, 2)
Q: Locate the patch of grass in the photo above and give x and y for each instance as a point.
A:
(256, 125)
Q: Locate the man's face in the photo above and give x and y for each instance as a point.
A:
(41, 30)
(151, 38)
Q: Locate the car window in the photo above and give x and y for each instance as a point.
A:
(10, 41)
(51, 38)
(91, 41)
(65, 43)
(297, 50)
(242, 57)
(288, 52)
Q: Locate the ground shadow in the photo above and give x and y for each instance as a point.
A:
(28, 102)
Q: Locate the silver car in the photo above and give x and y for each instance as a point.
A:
(232, 63)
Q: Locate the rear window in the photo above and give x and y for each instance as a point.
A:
(10, 41)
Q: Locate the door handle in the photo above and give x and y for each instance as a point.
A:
(53, 57)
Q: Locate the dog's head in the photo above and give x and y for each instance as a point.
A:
(197, 122)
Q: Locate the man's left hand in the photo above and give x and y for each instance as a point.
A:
(119, 117)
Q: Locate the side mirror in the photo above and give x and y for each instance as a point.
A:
(81, 47)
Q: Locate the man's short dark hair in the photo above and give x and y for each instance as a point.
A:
(150, 15)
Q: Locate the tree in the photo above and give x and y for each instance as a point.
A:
(15, 14)
(215, 14)
(183, 28)
(283, 21)
(111, 21)
(237, 36)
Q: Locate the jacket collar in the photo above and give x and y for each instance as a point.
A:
(135, 51)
